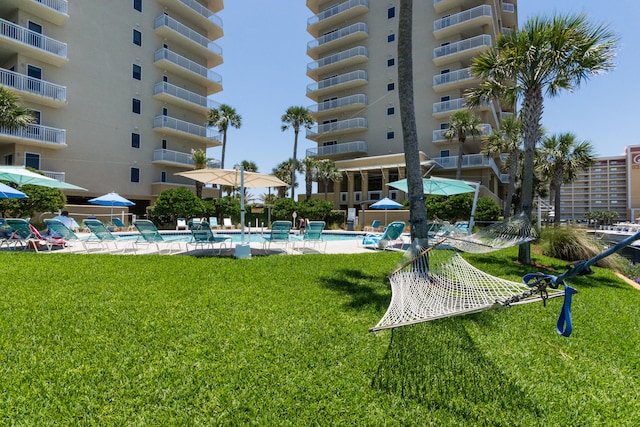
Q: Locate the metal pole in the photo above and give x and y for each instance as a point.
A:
(242, 204)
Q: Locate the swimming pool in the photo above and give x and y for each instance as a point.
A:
(253, 237)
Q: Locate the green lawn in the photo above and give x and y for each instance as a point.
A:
(283, 340)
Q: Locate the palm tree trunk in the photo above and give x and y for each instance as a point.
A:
(295, 163)
(556, 202)
(511, 187)
(224, 147)
(460, 154)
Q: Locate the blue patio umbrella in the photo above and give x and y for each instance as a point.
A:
(8, 192)
(385, 204)
(111, 199)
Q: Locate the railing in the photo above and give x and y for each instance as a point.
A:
(29, 84)
(197, 7)
(187, 64)
(485, 130)
(180, 125)
(338, 57)
(453, 76)
(452, 105)
(173, 156)
(61, 6)
(359, 27)
(337, 80)
(468, 161)
(31, 38)
(60, 176)
(344, 148)
(167, 21)
(458, 18)
(462, 45)
(360, 99)
(40, 133)
(178, 92)
(508, 7)
(337, 9)
(355, 123)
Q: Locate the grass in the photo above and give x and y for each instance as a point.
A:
(282, 340)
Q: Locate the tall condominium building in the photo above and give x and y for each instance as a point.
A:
(119, 89)
(355, 91)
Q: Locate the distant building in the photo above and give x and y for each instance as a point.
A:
(119, 89)
(355, 90)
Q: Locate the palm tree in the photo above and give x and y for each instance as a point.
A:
(548, 55)
(326, 171)
(417, 207)
(463, 123)
(13, 116)
(507, 139)
(561, 157)
(223, 117)
(283, 173)
(310, 168)
(249, 166)
(296, 117)
(200, 160)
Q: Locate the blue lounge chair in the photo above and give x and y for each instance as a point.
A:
(120, 226)
(392, 235)
(373, 227)
(102, 235)
(28, 237)
(150, 235)
(58, 228)
(280, 234)
(204, 237)
(313, 235)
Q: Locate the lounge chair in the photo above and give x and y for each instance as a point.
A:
(213, 222)
(26, 235)
(204, 237)
(181, 224)
(375, 225)
(102, 235)
(150, 235)
(227, 223)
(117, 222)
(313, 235)
(391, 236)
(59, 229)
(280, 234)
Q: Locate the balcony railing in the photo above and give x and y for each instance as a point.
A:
(355, 123)
(338, 80)
(452, 105)
(485, 130)
(40, 133)
(185, 95)
(182, 126)
(359, 99)
(39, 87)
(508, 7)
(468, 161)
(452, 77)
(462, 45)
(338, 57)
(196, 37)
(61, 6)
(197, 7)
(187, 64)
(31, 38)
(458, 18)
(344, 148)
(337, 9)
(359, 27)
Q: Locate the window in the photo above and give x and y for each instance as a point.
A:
(391, 86)
(135, 175)
(135, 140)
(34, 39)
(165, 111)
(33, 83)
(136, 106)
(391, 38)
(391, 111)
(32, 160)
(137, 37)
(137, 5)
(445, 153)
(165, 79)
(137, 72)
(391, 62)
(391, 12)
(163, 176)
(8, 159)
(164, 144)
(391, 134)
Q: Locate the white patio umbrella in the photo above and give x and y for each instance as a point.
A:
(385, 204)
(111, 199)
(22, 176)
(8, 192)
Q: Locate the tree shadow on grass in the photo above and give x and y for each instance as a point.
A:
(363, 289)
(438, 365)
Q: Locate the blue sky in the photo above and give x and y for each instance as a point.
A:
(265, 63)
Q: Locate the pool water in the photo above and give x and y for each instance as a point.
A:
(236, 236)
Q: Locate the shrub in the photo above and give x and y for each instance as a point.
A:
(283, 209)
(175, 203)
(487, 210)
(314, 209)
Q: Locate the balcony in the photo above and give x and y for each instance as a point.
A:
(441, 6)
(464, 49)
(329, 42)
(346, 149)
(198, 14)
(509, 16)
(189, 39)
(459, 22)
(186, 130)
(34, 45)
(339, 105)
(177, 158)
(438, 135)
(34, 90)
(338, 83)
(54, 11)
(444, 108)
(354, 56)
(335, 15)
(171, 61)
(36, 136)
(468, 161)
(176, 95)
(457, 79)
(342, 127)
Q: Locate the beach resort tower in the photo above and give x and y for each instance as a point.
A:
(354, 68)
(120, 90)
